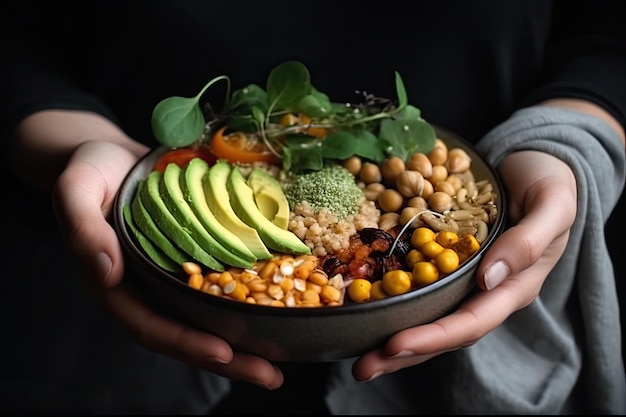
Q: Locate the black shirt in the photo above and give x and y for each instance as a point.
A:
(466, 65)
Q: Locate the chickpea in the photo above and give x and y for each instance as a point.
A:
(396, 282)
(428, 189)
(456, 180)
(370, 173)
(377, 292)
(421, 235)
(410, 183)
(359, 290)
(440, 201)
(391, 168)
(353, 165)
(446, 239)
(440, 173)
(388, 221)
(447, 261)
(446, 187)
(372, 191)
(440, 143)
(418, 202)
(419, 162)
(390, 200)
(438, 155)
(410, 214)
(424, 273)
(458, 160)
(414, 256)
(431, 249)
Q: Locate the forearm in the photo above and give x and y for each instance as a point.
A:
(45, 140)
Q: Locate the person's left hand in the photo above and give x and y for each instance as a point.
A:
(542, 208)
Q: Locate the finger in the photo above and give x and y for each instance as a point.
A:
(194, 347)
(546, 221)
(83, 196)
(476, 317)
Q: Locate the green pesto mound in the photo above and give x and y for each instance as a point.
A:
(332, 188)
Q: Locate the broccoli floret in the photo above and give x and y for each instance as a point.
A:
(333, 188)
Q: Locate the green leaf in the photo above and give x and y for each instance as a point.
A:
(313, 106)
(406, 137)
(287, 159)
(287, 83)
(360, 142)
(258, 115)
(409, 112)
(403, 99)
(177, 121)
(243, 100)
(242, 123)
(369, 146)
(339, 145)
(306, 153)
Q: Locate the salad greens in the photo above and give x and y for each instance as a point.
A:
(374, 129)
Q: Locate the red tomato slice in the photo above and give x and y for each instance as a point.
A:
(182, 156)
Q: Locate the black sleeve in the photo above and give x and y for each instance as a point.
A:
(34, 72)
(586, 55)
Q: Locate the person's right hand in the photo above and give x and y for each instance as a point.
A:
(83, 197)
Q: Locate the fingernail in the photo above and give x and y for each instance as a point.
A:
(103, 266)
(402, 354)
(495, 274)
(215, 359)
(375, 375)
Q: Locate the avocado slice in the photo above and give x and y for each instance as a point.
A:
(216, 193)
(154, 252)
(174, 199)
(146, 225)
(242, 200)
(151, 199)
(193, 192)
(269, 197)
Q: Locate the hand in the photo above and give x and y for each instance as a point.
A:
(83, 197)
(542, 208)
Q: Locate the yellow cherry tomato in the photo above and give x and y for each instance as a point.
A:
(396, 282)
(422, 235)
(425, 273)
(359, 290)
(447, 261)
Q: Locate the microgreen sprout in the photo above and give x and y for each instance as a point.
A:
(374, 129)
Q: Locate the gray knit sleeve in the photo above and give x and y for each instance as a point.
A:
(562, 353)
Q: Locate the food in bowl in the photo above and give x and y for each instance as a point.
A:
(301, 229)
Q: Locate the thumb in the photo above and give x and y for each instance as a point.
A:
(83, 197)
(543, 209)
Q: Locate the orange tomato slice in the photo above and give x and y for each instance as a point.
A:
(234, 149)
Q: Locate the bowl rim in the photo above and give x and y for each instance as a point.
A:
(129, 244)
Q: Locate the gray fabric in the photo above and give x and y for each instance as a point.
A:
(561, 354)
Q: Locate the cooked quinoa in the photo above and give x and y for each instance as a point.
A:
(324, 233)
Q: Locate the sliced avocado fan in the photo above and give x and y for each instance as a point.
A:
(169, 225)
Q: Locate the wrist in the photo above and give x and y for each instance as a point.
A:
(44, 141)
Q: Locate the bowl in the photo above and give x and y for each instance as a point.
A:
(292, 334)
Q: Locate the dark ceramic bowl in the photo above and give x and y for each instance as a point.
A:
(301, 334)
